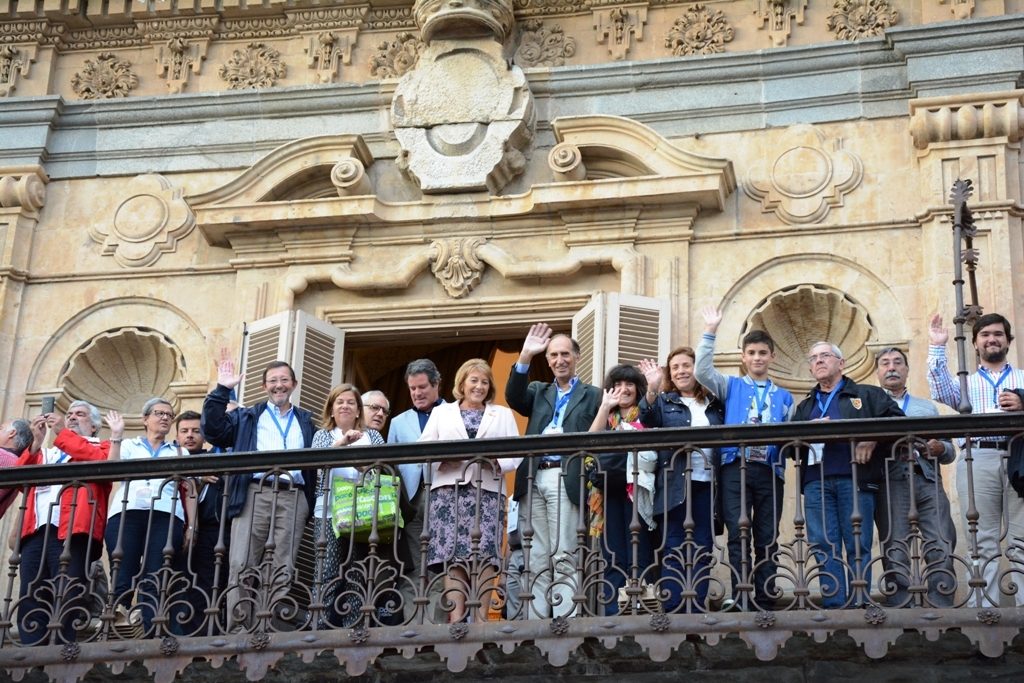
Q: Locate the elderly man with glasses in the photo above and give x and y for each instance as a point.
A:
(839, 479)
(376, 410)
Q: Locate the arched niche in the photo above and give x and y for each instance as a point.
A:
(845, 303)
(83, 351)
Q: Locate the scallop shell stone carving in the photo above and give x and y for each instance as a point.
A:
(799, 316)
(122, 369)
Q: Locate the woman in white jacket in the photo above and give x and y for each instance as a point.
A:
(467, 505)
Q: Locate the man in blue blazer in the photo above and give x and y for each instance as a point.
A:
(552, 506)
(424, 382)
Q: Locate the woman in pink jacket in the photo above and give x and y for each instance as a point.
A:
(466, 496)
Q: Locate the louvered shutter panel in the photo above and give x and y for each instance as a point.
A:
(638, 329)
(317, 361)
(618, 328)
(266, 340)
(586, 330)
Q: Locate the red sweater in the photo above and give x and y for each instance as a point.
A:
(91, 499)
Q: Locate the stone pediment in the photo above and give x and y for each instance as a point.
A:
(594, 148)
(309, 168)
(619, 164)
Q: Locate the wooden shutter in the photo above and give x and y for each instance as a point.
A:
(618, 328)
(266, 340)
(317, 361)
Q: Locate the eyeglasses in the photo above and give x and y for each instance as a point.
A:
(162, 414)
(821, 356)
(378, 409)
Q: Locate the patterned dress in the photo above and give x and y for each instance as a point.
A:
(453, 515)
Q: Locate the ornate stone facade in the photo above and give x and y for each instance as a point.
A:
(108, 76)
(256, 66)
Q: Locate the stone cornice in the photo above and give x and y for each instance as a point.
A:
(970, 116)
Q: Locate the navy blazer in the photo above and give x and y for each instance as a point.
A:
(536, 401)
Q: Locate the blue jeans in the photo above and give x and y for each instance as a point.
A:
(675, 574)
(41, 572)
(828, 508)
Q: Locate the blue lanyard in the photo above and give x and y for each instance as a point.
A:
(828, 401)
(287, 428)
(564, 399)
(63, 457)
(997, 383)
(906, 402)
(762, 397)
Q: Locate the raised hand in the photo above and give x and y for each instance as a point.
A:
(536, 341)
(55, 421)
(937, 334)
(712, 319)
(116, 423)
(226, 373)
(653, 373)
(611, 398)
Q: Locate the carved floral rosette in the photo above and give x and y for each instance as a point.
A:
(856, 19)
(257, 66)
(543, 46)
(107, 77)
(396, 57)
(700, 31)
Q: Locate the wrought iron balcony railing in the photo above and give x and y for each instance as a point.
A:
(634, 565)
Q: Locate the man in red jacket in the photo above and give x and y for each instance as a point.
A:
(59, 517)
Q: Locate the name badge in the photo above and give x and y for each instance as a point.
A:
(815, 454)
(144, 496)
(757, 454)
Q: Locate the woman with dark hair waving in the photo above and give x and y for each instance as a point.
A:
(682, 402)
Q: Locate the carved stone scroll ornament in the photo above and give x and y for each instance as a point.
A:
(26, 190)
(397, 57)
(617, 27)
(257, 66)
(14, 62)
(700, 31)
(107, 77)
(455, 264)
(807, 178)
(325, 53)
(777, 16)
(148, 222)
(543, 46)
(855, 19)
(177, 59)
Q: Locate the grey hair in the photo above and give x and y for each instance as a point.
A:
(94, 413)
(836, 351)
(22, 435)
(423, 366)
(148, 406)
(374, 392)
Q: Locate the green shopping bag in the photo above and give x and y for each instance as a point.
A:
(352, 505)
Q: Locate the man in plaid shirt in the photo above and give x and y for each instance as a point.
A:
(989, 390)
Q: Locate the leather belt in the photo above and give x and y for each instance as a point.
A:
(995, 444)
(280, 485)
(548, 464)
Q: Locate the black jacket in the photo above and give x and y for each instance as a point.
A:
(1015, 463)
(856, 401)
(536, 401)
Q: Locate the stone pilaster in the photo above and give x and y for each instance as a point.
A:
(976, 136)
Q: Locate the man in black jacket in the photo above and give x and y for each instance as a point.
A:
(839, 481)
(255, 502)
(551, 504)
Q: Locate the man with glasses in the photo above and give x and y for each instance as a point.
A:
(914, 476)
(376, 410)
(833, 488)
(268, 510)
(990, 390)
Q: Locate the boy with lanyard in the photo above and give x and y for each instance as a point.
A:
(750, 399)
